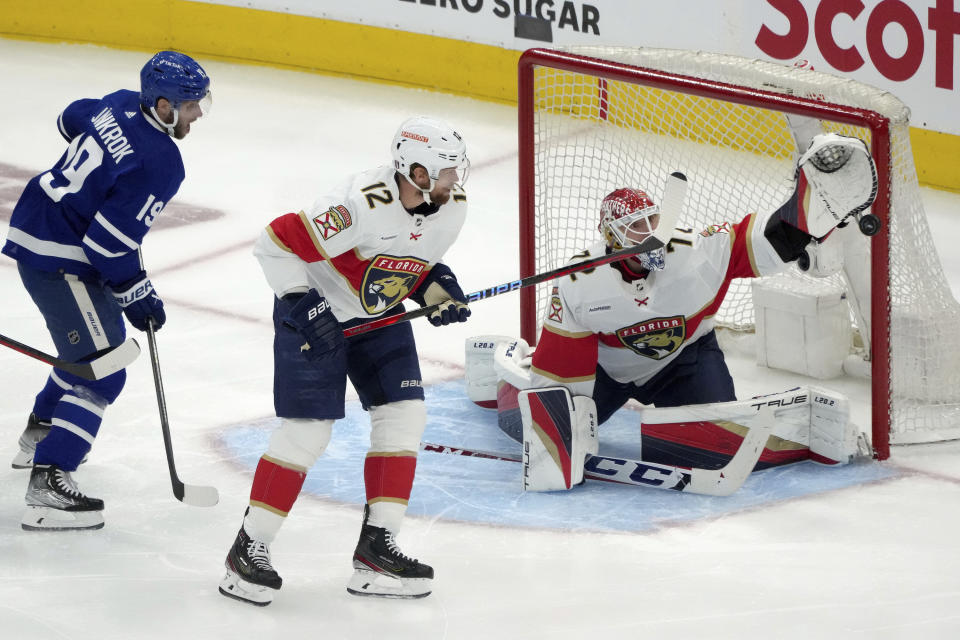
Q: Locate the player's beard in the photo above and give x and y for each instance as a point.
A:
(181, 130)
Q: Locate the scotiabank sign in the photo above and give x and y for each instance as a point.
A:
(910, 48)
(834, 27)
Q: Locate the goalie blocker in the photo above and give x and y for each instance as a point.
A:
(811, 423)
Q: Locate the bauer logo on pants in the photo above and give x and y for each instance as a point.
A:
(388, 280)
(656, 338)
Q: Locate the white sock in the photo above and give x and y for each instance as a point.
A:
(261, 524)
(386, 514)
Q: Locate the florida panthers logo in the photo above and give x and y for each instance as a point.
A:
(656, 338)
(388, 280)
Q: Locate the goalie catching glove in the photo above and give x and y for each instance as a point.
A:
(310, 315)
(836, 179)
(440, 288)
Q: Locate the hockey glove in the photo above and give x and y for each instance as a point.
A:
(139, 302)
(311, 317)
(440, 288)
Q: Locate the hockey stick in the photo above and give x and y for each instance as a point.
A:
(710, 482)
(195, 495)
(675, 192)
(100, 367)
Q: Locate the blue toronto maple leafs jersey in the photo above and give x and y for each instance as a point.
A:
(89, 213)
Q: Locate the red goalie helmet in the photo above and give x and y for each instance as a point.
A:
(627, 216)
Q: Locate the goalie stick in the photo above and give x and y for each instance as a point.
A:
(710, 482)
(100, 367)
(674, 194)
(198, 496)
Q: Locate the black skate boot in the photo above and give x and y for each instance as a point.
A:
(35, 431)
(54, 502)
(250, 576)
(380, 569)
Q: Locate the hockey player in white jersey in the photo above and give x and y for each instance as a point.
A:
(643, 328)
(355, 255)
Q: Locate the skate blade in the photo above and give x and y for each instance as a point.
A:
(233, 586)
(50, 519)
(23, 460)
(364, 582)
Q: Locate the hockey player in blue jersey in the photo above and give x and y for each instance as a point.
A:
(75, 234)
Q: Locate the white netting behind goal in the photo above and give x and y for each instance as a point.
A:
(592, 135)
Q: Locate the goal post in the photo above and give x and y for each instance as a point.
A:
(592, 119)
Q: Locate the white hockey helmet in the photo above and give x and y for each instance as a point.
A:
(431, 143)
(627, 217)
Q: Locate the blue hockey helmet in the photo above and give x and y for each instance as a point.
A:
(174, 76)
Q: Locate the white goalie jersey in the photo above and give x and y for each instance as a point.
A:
(358, 246)
(634, 328)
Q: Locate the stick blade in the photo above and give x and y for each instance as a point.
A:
(115, 360)
(726, 481)
(674, 195)
(199, 496)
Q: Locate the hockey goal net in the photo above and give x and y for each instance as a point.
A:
(592, 119)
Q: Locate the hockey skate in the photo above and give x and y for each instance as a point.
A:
(35, 431)
(380, 569)
(54, 503)
(250, 576)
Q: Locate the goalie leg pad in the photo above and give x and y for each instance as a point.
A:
(559, 434)
(511, 361)
(818, 419)
(480, 374)
(833, 438)
(809, 422)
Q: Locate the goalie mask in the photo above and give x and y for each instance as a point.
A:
(627, 218)
(432, 144)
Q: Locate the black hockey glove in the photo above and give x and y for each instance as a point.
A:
(311, 317)
(139, 302)
(440, 287)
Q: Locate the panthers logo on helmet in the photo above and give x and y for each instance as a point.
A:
(656, 338)
(333, 221)
(388, 280)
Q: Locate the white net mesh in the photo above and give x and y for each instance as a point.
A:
(592, 135)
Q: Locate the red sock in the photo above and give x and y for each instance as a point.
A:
(276, 485)
(389, 476)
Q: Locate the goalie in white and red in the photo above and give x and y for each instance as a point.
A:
(643, 329)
